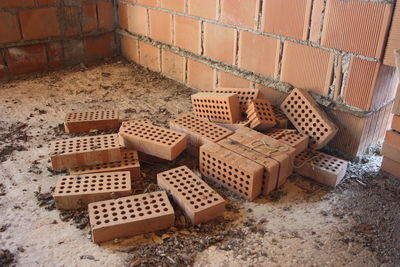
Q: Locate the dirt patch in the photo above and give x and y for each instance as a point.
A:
(6, 258)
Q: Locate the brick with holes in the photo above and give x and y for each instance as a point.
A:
(195, 197)
(233, 171)
(271, 166)
(84, 151)
(80, 122)
(290, 137)
(217, 107)
(199, 131)
(129, 216)
(152, 140)
(77, 191)
(321, 167)
(129, 162)
(305, 114)
(281, 119)
(245, 95)
(234, 126)
(261, 115)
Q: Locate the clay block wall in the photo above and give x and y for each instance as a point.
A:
(333, 48)
(37, 35)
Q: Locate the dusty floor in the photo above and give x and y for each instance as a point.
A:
(303, 224)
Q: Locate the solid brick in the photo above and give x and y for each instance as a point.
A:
(235, 172)
(261, 115)
(128, 216)
(390, 166)
(77, 191)
(242, 13)
(305, 114)
(316, 20)
(149, 56)
(321, 167)
(69, 20)
(135, 18)
(356, 26)
(286, 17)
(393, 138)
(39, 23)
(17, 4)
(129, 162)
(26, 59)
(176, 5)
(46, 2)
(219, 43)
(153, 140)
(391, 152)
(105, 12)
(148, 2)
(173, 66)
(227, 80)
(185, 27)
(245, 95)
(281, 119)
(89, 17)
(130, 48)
(9, 32)
(195, 197)
(84, 151)
(200, 76)
(395, 123)
(272, 95)
(204, 8)
(307, 67)
(393, 42)
(199, 131)
(291, 138)
(123, 16)
(268, 48)
(99, 47)
(55, 52)
(160, 26)
(217, 107)
(80, 122)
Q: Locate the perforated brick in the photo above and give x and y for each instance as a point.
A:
(77, 191)
(234, 126)
(291, 138)
(217, 107)
(199, 201)
(199, 131)
(321, 167)
(308, 118)
(261, 115)
(153, 140)
(233, 171)
(281, 119)
(130, 216)
(129, 162)
(271, 166)
(79, 122)
(84, 151)
(245, 95)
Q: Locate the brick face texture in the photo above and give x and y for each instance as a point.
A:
(185, 27)
(10, 32)
(219, 42)
(203, 8)
(39, 23)
(394, 39)
(240, 12)
(160, 26)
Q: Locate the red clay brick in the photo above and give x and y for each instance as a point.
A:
(393, 39)
(26, 59)
(77, 191)
(195, 197)
(234, 126)
(173, 66)
(99, 46)
(261, 115)
(130, 48)
(286, 17)
(217, 107)
(235, 172)
(128, 216)
(200, 76)
(39, 23)
(307, 67)
(316, 20)
(129, 162)
(3, 67)
(242, 13)
(149, 56)
(267, 60)
(89, 17)
(148, 2)
(356, 26)
(393, 138)
(390, 166)
(391, 152)
(136, 19)
(227, 80)
(46, 2)
(106, 15)
(185, 27)
(84, 151)
(281, 119)
(396, 123)
(160, 26)
(176, 5)
(204, 8)
(219, 43)
(152, 140)
(55, 52)
(16, 4)
(9, 32)
(308, 118)
(272, 95)
(70, 20)
(291, 138)
(80, 122)
(123, 16)
(321, 167)
(245, 95)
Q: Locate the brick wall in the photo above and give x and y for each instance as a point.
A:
(38, 35)
(333, 48)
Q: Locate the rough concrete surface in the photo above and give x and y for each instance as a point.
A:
(302, 224)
